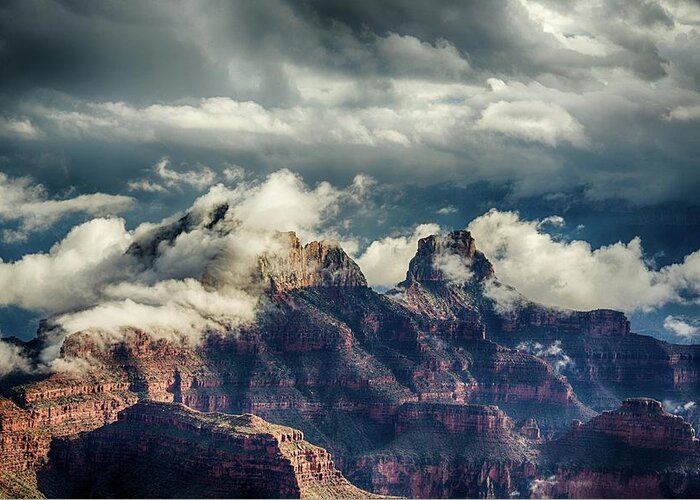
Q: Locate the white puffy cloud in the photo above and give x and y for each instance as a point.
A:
(26, 204)
(572, 274)
(553, 353)
(537, 121)
(173, 308)
(284, 203)
(199, 178)
(71, 273)
(18, 129)
(687, 330)
(384, 262)
(455, 268)
(506, 300)
(12, 359)
(200, 280)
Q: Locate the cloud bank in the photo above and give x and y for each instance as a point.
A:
(544, 97)
(26, 205)
(102, 276)
(385, 261)
(571, 274)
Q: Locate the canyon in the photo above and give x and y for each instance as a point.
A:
(432, 389)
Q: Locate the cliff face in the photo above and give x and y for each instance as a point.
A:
(429, 390)
(637, 450)
(484, 421)
(605, 361)
(316, 264)
(448, 258)
(188, 453)
(643, 423)
(58, 407)
(475, 453)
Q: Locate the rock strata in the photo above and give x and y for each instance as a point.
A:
(217, 455)
(637, 450)
(316, 264)
(415, 392)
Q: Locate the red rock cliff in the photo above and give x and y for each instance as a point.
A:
(209, 455)
(316, 264)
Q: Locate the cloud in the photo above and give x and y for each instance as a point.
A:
(554, 354)
(12, 359)
(533, 121)
(463, 129)
(26, 204)
(146, 186)
(233, 173)
(683, 408)
(506, 300)
(571, 274)
(684, 113)
(169, 308)
(455, 268)
(687, 330)
(71, 273)
(385, 261)
(18, 129)
(448, 210)
(224, 123)
(387, 89)
(409, 55)
(201, 278)
(200, 178)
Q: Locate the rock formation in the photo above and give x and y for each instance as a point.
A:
(316, 264)
(637, 450)
(643, 423)
(416, 392)
(187, 454)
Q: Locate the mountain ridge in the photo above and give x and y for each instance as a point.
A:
(367, 375)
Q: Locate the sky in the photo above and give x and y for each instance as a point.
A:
(563, 134)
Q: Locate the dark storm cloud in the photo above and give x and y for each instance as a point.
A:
(105, 52)
(539, 96)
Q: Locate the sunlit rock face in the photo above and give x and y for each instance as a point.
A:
(316, 264)
(186, 452)
(428, 390)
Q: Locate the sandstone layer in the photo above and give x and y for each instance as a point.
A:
(433, 389)
(188, 453)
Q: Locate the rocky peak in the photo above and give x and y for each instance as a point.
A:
(453, 258)
(316, 264)
(643, 423)
(641, 406)
(146, 247)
